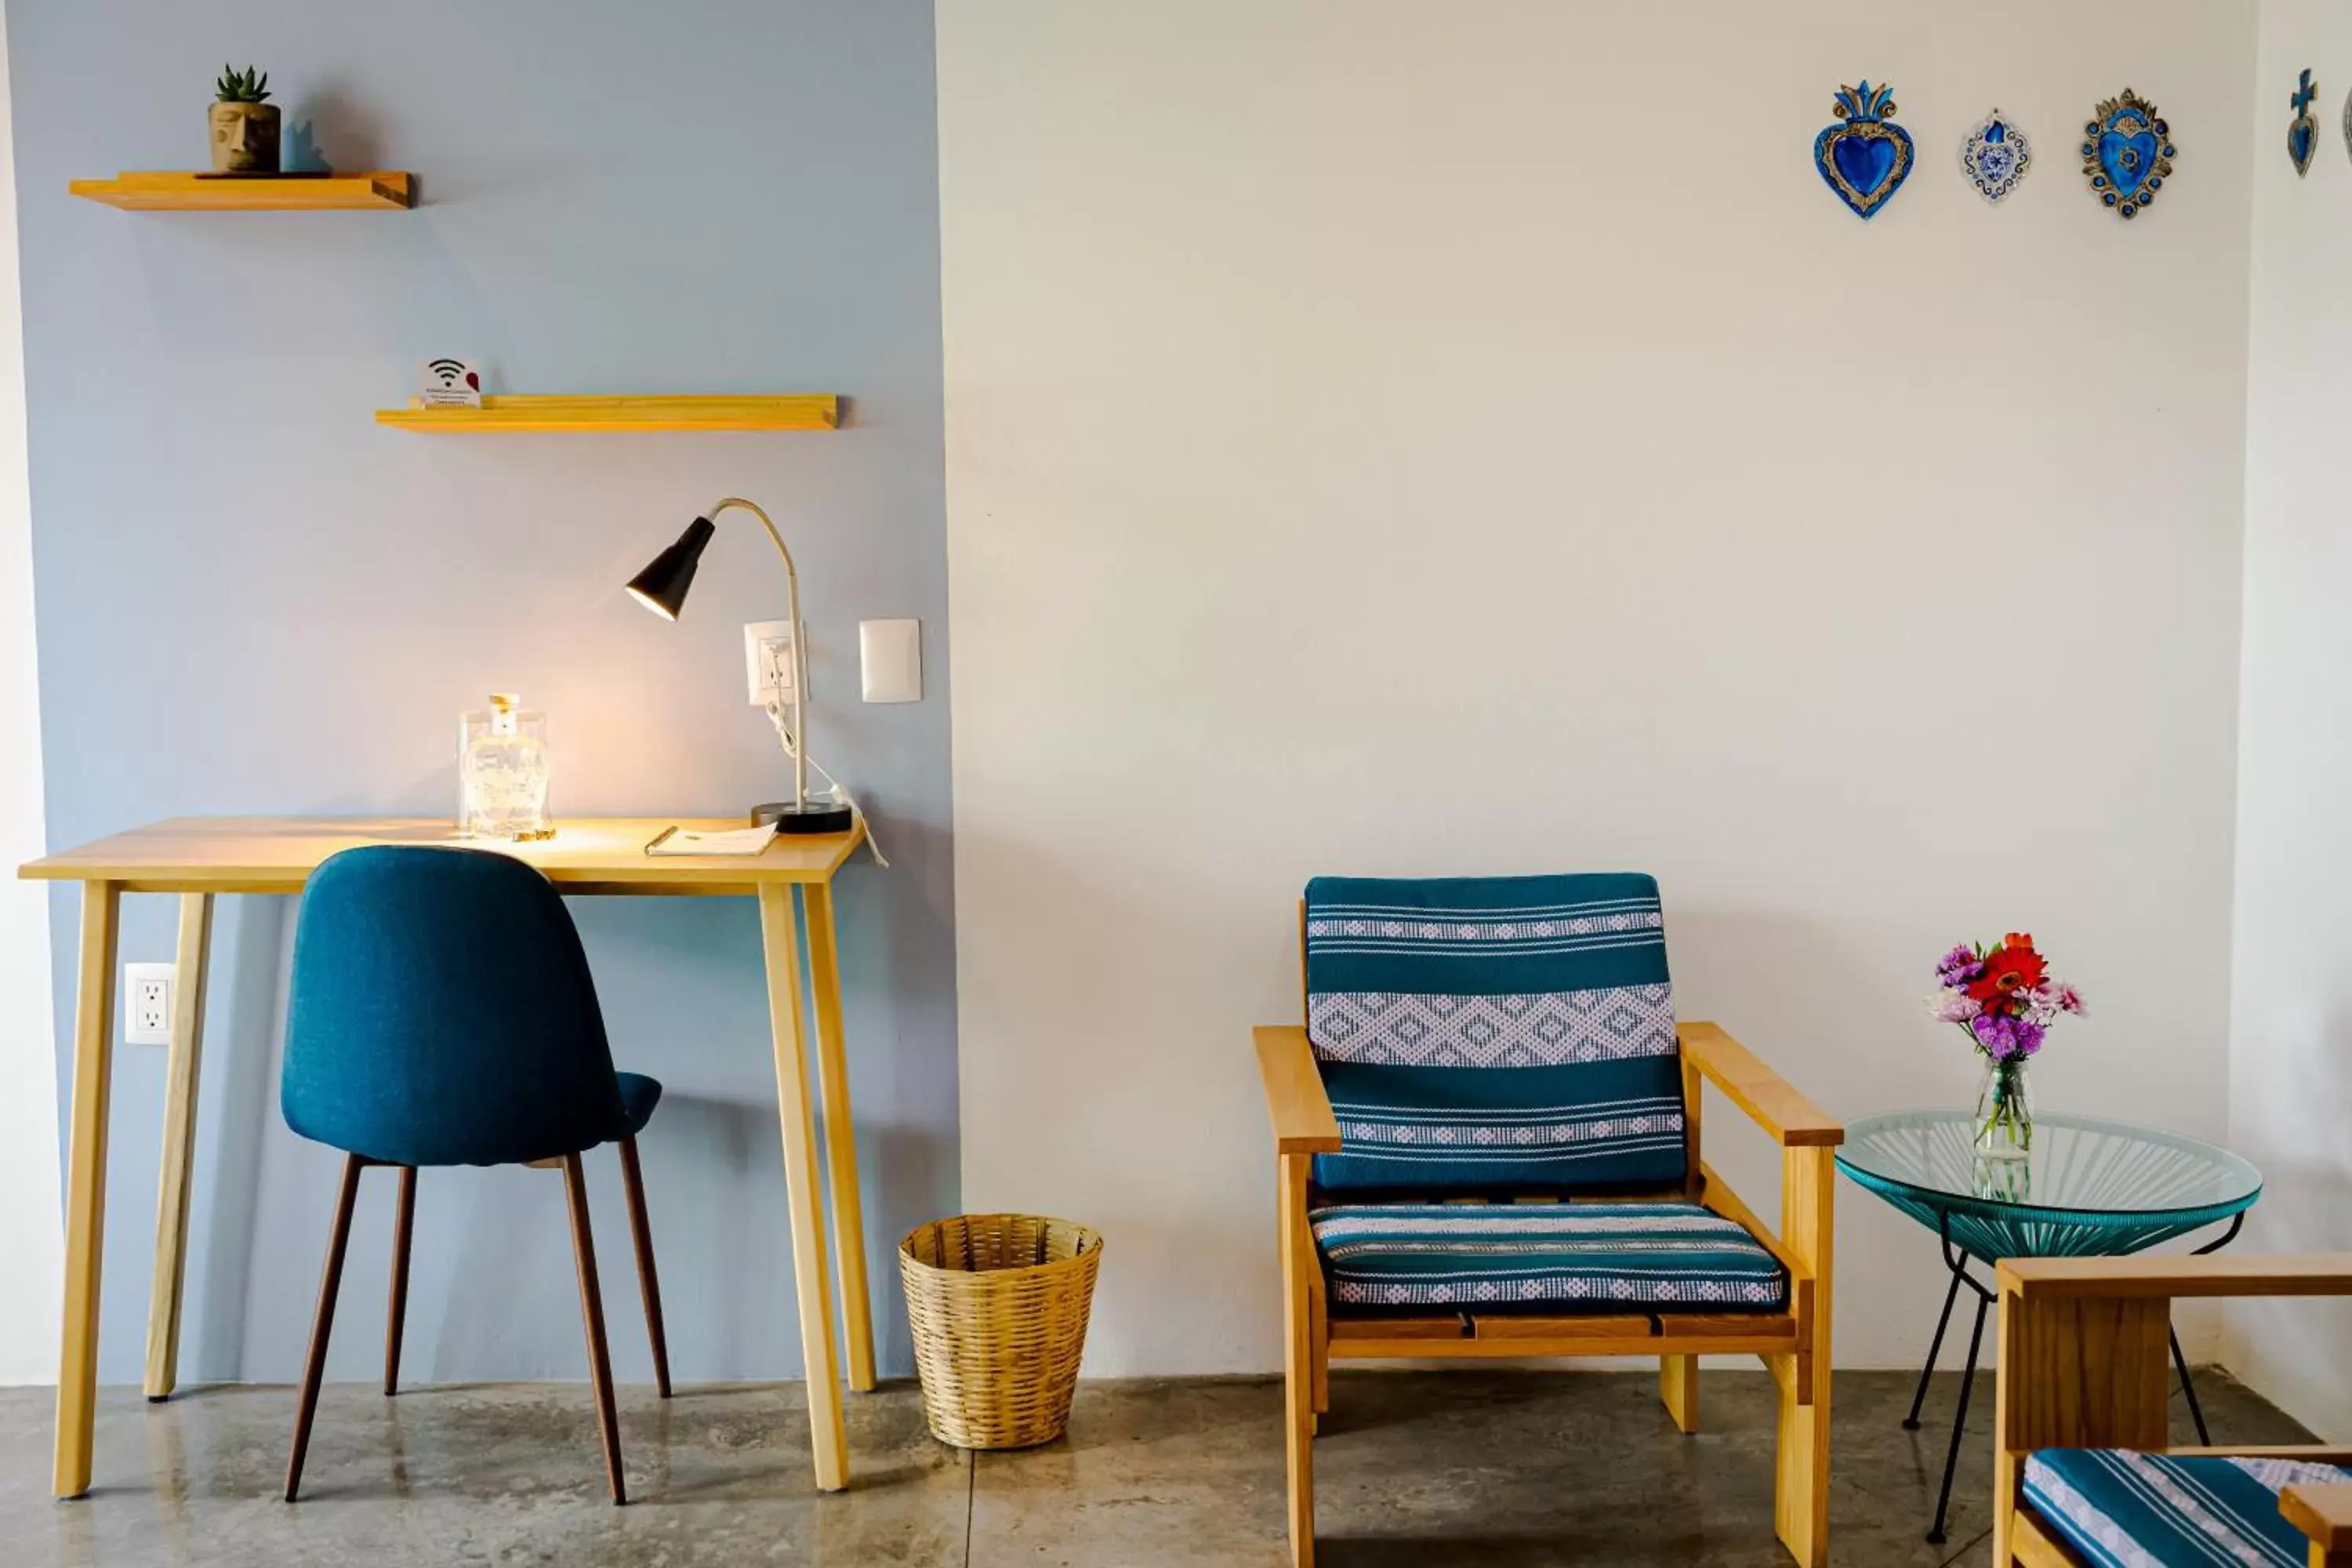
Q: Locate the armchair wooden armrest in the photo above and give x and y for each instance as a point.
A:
(2324, 1514)
(1770, 1100)
(1302, 1123)
(2147, 1274)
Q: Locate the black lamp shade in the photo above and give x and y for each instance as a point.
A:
(661, 587)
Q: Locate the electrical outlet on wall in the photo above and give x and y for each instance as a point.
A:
(768, 661)
(147, 1004)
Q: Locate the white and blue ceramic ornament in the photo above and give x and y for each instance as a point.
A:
(2303, 132)
(2127, 155)
(1995, 157)
(1865, 157)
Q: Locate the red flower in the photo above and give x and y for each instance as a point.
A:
(2010, 969)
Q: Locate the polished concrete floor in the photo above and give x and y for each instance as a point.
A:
(1497, 1469)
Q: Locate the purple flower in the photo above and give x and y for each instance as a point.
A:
(2029, 1038)
(1998, 1037)
(1957, 967)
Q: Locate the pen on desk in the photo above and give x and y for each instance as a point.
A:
(659, 839)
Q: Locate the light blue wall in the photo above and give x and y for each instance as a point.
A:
(251, 598)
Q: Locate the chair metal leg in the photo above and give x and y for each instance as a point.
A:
(323, 1322)
(641, 1233)
(396, 1314)
(592, 1313)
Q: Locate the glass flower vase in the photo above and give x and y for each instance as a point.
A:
(2004, 1113)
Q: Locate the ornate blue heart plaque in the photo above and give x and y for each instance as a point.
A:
(1865, 157)
(2303, 132)
(2126, 154)
(1995, 157)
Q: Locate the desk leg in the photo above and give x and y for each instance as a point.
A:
(181, 1075)
(780, 937)
(93, 1085)
(840, 1136)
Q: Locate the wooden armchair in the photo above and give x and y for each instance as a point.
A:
(2084, 1472)
(1661, 1258)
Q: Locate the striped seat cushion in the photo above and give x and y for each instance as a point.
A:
(1559, 1258)
(1495, 1035)
(2122, 1510)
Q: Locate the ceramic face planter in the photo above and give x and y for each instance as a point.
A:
(244, 138)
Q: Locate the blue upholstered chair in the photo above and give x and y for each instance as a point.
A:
(441, 1014)
(2084, 1471)
(1487, 1137)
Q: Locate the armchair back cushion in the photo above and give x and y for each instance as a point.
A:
(1495, 1034)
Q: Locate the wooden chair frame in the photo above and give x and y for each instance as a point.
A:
(2084, 1365)
(1794, 1345)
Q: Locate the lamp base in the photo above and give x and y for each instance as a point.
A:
(811, 817)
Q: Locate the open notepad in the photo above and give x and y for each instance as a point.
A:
(696, 841)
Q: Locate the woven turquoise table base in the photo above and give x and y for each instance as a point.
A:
(2092, 1188)
(2041, 1233)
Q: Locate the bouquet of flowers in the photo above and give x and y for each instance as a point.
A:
(2001, 997)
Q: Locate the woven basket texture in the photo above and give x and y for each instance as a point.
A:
(998, 1303)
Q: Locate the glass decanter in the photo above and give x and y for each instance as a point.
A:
(503, 772)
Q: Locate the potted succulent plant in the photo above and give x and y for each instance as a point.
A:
(244, 123)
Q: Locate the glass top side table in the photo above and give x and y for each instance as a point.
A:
(2091, 1187)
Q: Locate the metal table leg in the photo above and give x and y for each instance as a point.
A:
(2196, 1411)
(1956, 1260)
(1935, 1349)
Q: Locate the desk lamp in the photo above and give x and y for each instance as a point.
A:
(662, 586)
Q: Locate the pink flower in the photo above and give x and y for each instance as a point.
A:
(2070, 1000)
(1953, 1006)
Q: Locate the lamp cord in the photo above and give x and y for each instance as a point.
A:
(834, 789)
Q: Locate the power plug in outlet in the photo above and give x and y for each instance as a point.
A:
(147, 1004)
(768, 661)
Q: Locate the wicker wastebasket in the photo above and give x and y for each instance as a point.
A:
(998, 1303)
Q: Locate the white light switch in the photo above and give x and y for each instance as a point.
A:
(890, 655)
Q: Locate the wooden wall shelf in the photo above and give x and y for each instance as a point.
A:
(163, 191)
(817, 411)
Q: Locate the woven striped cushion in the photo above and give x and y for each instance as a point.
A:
(1561, 1257)
(1495, 1034)
(2122, 1510)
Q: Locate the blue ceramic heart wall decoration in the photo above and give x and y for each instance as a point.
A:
(1995, 157)
(2126, 154)
(1865, 157)
(2303, 132)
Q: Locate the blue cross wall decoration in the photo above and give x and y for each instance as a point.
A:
(2303, 133)
(1865, 157)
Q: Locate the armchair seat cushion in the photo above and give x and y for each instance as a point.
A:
(2123, 1509)
(1558, 1257)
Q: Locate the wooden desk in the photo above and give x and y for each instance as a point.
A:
(199, 856)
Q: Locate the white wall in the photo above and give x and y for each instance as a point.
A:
(2290, 1029)
(1396, 438)
(30, 1234)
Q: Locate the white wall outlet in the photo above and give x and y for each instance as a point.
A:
(768, 661)
(890, 657)
(147, 1004)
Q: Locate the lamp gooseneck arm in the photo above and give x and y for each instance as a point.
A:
(800, 642)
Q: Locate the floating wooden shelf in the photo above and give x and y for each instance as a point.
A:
(818, 411)
(166, 191)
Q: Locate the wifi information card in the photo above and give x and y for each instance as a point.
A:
(451, 383)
